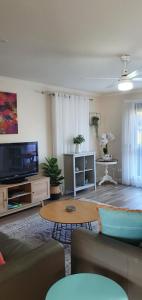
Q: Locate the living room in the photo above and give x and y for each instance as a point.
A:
(64, 61)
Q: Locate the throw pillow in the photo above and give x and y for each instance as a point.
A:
(2, 261)
(122, 224)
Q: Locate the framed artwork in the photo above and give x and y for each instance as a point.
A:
(8, 113)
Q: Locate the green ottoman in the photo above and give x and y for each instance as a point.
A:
(86, 286)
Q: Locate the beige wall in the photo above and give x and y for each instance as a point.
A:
(34, 114)
(34, 118)
(111, 109)
(33, 110)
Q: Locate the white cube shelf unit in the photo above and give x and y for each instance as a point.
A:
(79, 172)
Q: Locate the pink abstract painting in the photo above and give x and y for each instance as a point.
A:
(8, 113)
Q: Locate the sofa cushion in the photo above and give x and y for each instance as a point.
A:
(122, 224)
(12, 248)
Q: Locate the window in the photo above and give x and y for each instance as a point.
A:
(132, 144)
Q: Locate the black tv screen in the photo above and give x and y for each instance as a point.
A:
(18, 160)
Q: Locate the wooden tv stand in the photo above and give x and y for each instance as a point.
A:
(19, 196)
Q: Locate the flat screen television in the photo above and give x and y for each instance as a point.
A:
(18, 161)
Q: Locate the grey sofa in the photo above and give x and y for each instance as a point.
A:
(117, 260)
(28, 273)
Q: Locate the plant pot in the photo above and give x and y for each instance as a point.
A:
(55, 192)
(77, 148)
(107, 157)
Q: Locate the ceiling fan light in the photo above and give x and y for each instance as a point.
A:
(125, 85)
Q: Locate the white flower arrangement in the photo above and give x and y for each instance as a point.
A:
(104, 139)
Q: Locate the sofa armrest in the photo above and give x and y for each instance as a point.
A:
(100, 254)
(29, 277)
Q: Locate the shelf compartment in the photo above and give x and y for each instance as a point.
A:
(79, 164)
(89, 177)
(21, 200)
(80, 179)
(89, 162)
(19, 191)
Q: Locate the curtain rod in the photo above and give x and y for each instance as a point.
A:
(53, 94)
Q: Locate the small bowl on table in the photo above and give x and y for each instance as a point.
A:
(70, 208)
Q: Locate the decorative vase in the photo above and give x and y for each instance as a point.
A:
(77, 148)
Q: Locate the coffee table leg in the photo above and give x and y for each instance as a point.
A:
(62, 232)
(56, 233)
(89, 226)
(54, 229)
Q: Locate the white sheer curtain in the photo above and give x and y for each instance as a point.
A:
(70, 117)
(132, 144)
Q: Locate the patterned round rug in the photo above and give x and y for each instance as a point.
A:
(34, 230)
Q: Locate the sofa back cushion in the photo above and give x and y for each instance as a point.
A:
(122, 224)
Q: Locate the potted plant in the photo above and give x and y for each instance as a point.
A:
(51, 169)
(95, 123)
(106, 138)
(78, 140)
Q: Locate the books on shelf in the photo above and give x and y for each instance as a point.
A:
(14, 205)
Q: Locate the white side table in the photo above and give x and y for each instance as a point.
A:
(106, 164)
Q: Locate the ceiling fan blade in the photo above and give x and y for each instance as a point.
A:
(137, 79)
(102, 78)
(112, 85)
(135, 73)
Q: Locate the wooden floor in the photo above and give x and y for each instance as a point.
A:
(117, 195)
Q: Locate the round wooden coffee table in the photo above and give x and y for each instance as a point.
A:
(64, 222)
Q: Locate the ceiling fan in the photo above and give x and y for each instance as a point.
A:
(125, 82)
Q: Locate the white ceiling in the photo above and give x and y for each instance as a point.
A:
(62, 42)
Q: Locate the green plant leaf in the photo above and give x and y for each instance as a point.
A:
(51, 169)
(79, 139)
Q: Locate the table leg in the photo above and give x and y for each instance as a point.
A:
(62, 232)
(107, 177)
